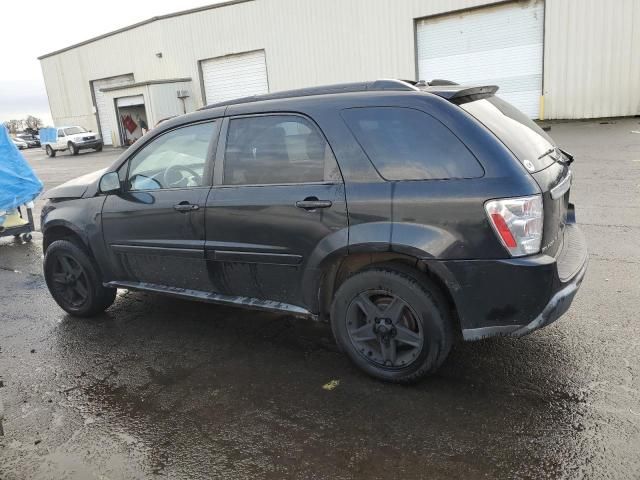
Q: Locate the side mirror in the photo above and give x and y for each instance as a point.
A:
(110, 183)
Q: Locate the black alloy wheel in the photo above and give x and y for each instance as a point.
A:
(393, 322)
(384, 329)
(70, 281)
(74, 280)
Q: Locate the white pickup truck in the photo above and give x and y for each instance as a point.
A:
(73, 138)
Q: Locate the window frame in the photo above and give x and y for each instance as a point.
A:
(207, 175)
(403, 107)
(218, 169)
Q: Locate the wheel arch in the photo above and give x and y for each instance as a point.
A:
(61, 230)
(341, 268)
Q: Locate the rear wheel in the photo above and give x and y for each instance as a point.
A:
(73, 150)
(394, 324)
(50, 151)
(74, 282)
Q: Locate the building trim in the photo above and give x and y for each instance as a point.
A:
(144, 84)
(145, 22)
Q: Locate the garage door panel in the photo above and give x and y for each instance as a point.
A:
(234, 76)
(453, 33)
(501, 45)
(498, 63)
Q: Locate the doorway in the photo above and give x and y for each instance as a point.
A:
(132, 119)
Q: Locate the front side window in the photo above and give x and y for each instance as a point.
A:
(276, 149)
(176, 159)
(408, 144)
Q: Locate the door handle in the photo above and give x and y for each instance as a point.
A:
(185, 207)
(311, 203)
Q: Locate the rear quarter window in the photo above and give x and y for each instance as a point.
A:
(408, 144)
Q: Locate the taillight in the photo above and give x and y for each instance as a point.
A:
(518, 223)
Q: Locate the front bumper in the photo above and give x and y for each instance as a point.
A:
(517, 296)
(89, 144)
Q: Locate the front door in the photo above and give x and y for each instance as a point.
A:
(154, 229)
(278, 200)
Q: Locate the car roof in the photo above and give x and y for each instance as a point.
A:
(353, 87)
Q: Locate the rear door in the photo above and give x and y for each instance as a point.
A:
(154, 229)
(278, 197)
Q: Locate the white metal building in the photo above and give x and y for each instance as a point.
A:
(551, 58)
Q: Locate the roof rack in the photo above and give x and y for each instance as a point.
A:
(377, 85)
(446, 89)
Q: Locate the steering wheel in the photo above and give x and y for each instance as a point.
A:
(174, 176)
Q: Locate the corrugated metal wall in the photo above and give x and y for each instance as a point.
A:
(591, 68)
(592, 58)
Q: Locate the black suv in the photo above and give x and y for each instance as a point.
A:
(404, 213)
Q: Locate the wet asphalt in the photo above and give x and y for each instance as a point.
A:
(163, 388)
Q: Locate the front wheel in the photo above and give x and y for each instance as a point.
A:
(98, 149)
(393, 323)
(73, 150)
(73, 280)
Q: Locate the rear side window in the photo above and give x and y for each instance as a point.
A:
(407, 144)
(277, 149)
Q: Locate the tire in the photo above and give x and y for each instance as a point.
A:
(27, 237)
(393, 323)
(73, 150)
(98, 149)
(50, 151)
(74, 282)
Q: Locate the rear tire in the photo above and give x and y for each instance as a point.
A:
(394, 324)
(50, 151)
(74, 282)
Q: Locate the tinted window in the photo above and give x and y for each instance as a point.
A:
(519, 133)
(176, 159)
(276, 149)
(407, 144)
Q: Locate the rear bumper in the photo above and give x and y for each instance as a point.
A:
(518, 296)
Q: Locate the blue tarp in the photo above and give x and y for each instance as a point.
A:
(18, 183)
(48, 135)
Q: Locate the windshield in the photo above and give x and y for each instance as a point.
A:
(518, 132)
(74, 130)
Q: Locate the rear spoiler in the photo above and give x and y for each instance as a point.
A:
(454, 92)
(459, 94)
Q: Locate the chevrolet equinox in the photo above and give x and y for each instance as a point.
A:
(406, 214)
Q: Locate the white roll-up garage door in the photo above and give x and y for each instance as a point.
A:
(234, 76)
(102, 106)
(500, 45)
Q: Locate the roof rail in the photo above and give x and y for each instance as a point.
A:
(377, 85)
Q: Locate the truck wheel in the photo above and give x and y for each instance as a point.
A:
(98, 149)
(73, 150)
(392, 323)
(74, 282)
(50, 151)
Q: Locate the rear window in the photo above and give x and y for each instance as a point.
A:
(408, 144)
(518, 132)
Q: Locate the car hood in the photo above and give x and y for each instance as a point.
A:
(75, 188)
